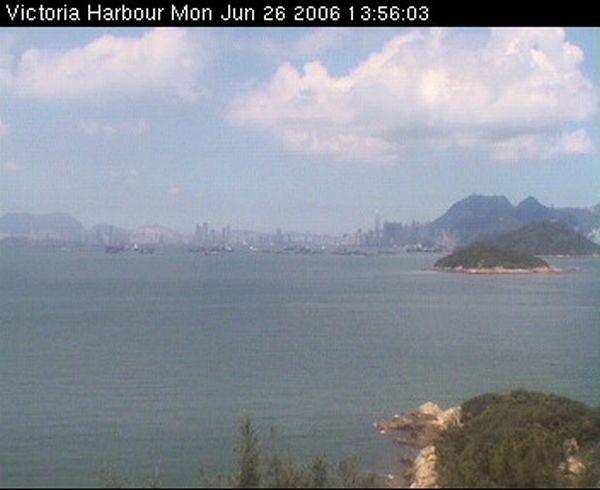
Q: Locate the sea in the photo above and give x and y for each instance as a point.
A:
(144, 365)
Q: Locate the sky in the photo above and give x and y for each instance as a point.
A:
(307, 129)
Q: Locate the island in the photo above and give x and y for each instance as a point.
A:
(488, 258)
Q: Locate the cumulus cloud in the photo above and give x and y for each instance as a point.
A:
(160, 62)
(511, 96)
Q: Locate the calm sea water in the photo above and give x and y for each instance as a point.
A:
(147, 363)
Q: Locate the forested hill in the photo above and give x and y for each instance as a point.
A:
(548, 238)
(479, 217)
(485, 255)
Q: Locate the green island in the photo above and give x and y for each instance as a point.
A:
(485, 257)
(518, 251)
(520, 439)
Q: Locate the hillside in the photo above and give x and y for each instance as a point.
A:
(53, 226)
(478, 218)
(521, 440)
(21, 228)
(25, 223)
(475, 216)
(485, 256)
(547, 238)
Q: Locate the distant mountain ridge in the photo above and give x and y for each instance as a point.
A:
(62, 227)
(475, 218)
(479, 217)
(25, 223)
(46, 227)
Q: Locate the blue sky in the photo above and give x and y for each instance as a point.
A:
(304, 129)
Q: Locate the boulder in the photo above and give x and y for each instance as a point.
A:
(420, 427)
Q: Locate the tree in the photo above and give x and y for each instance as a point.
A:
(249, 456)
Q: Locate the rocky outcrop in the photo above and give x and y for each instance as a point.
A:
(420, 429)
(423, 473)
(572, 467)
(524, 424)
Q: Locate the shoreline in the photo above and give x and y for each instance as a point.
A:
(418, 429)
(523, 424)
(504, 270)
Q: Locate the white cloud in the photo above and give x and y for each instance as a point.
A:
(505, 96)
(160, 62)
(543, 147)
(576, 142)
(134, 127)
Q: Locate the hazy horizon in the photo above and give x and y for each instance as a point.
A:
(190, 231)
(305, 129)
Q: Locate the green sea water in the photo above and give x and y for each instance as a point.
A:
(145, 364)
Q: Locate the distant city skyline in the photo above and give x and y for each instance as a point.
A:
(311, 130)
(488, 215)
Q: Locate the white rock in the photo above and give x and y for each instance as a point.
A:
(424, 472)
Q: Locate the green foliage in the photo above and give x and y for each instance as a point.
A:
(260, 467)
(249, 456)
(519, 440)
(271, 470)
(475, 406)
(548, 238)
(111, 479)
(486, 255)
(319, 472)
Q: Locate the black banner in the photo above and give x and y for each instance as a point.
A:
(276, 13)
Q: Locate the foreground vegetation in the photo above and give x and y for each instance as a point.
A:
(519, 440)
(522, 439)
(260, 465)
(270, 470)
